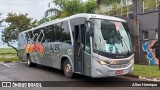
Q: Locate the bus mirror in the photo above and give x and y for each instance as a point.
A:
(91, 32)
(90, 26)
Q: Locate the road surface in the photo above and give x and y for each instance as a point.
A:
(21, 72)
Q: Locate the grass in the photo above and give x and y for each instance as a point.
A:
(146, 71)
(9, 59)
(8, 54)
(5, 51)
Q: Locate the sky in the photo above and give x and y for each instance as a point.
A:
(34, 8)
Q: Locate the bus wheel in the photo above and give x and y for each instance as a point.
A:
(29, 63)
(67, 68)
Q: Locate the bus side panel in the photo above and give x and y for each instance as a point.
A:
(67, 51)
(63, 44)
(46, 57)
(87, 64)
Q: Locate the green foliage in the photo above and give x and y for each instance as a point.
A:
(43, 20)
(90, 7)
(9, 59)
(108, 2)
(64, 8)
(116, 9)
(6, 51)
(149, 4)
(16, 23)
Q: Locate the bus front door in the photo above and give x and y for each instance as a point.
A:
(78, 54)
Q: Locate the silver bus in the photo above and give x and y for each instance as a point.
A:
(88, 44)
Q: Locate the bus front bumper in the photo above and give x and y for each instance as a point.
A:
(99, 70)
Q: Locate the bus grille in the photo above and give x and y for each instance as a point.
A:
(118, 66)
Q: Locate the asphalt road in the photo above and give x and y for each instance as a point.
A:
(21, 72)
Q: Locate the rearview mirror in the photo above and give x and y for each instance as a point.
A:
(90, 27)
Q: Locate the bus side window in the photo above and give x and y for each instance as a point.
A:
(26, 37)
(83, 30)
(49, 34)
(30, 37)
(66, 33)
(20, 40)
(41, 35)
(87, 42)
(77, 37)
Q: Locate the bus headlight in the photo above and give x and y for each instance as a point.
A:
(112, 62)
(101, 62)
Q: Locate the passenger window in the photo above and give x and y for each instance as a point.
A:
(66, 33)
(83, 30)
(20, 40)
(58, 31)
(36, 34)
(41, 35)
(62, 32)
(77, 37)
(30, 37)
(49, 34)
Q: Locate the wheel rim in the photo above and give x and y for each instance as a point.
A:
(68, 69)
(28, 62)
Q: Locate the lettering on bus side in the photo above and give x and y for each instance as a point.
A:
(55, 48)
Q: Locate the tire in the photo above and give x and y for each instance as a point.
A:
(67, 69)
(29, 63)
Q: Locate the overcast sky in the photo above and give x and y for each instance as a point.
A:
(35, 9)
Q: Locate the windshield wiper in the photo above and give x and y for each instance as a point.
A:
(121, 40)
(125, 45)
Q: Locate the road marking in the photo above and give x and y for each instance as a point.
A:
(24, 62)
(5, 64)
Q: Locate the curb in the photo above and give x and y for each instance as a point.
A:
(142, 77)
(132, 76)
(148, 79)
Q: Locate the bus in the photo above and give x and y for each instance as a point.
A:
(88, 44)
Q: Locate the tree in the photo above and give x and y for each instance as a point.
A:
(16, 23)
(149, 5)
(108, 2)
(90, 6)
(116, 7)
(64, 8)
(43, 20)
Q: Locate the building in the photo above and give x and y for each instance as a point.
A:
(143, 19)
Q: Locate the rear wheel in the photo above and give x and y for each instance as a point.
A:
(67, 68)
(29, 63)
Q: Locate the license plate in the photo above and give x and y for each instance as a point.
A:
(119, 72)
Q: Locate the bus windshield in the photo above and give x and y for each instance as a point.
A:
(111, 37)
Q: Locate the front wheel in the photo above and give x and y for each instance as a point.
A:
(67, 68)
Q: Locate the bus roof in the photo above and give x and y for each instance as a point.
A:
(97, 16)
(86, 15)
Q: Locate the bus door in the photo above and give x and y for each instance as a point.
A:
(78, 49)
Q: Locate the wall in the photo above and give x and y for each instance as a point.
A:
(148, 54)
(149, 23)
